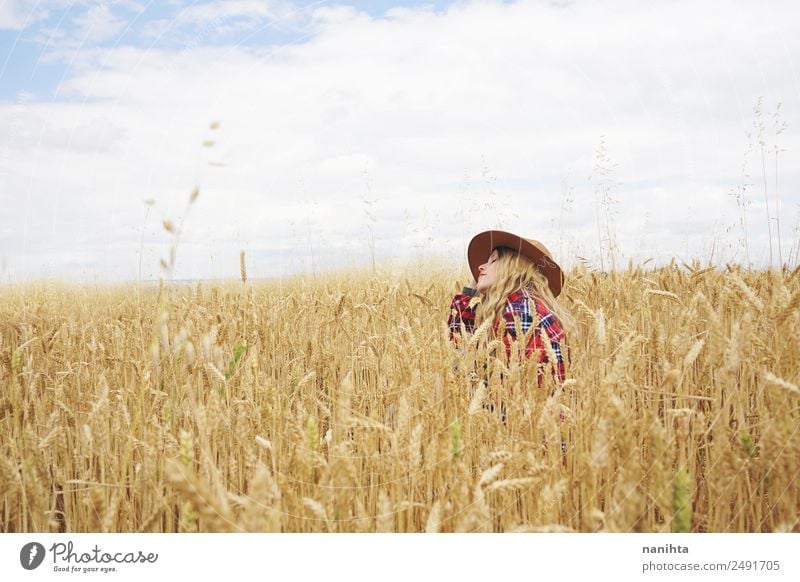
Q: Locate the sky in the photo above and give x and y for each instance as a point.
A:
(327, 135)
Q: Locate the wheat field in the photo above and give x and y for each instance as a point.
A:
(337, 404)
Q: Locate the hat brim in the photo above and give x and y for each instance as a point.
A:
(482, 245)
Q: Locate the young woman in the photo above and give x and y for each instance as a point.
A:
(516, 279)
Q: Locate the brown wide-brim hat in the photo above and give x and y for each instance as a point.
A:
(482, 245)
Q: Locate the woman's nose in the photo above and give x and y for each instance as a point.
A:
(482, 268)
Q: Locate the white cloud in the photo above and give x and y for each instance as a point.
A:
(206, 22)
(220, 10)
(97, 24)
(451, 121)
(17, 14)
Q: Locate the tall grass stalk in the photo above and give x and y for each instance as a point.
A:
(779, 127)
(759, 126)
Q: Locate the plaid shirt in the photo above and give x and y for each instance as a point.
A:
(462, 311)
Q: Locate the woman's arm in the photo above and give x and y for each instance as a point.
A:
(548, 329)
(462, 311)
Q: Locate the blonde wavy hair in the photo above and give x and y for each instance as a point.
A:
(515, 271)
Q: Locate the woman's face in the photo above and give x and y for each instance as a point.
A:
(487, 272)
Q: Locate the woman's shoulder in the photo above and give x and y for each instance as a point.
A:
(524, 301)
(463, 302)
(518, 301)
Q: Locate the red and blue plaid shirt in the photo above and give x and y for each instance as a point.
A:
(518, 306)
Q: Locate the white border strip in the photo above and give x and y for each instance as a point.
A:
(401, 557)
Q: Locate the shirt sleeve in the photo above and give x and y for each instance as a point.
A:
(548, 329)
(461, 313)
